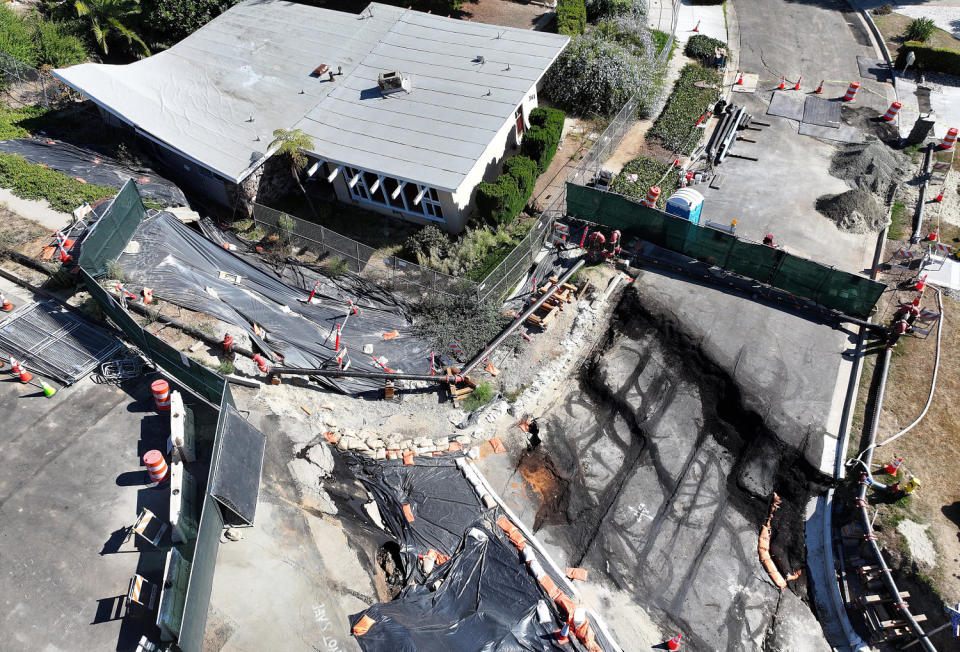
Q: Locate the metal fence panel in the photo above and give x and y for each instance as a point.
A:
(200, 587)
(22, 85)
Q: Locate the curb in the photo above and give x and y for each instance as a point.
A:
(881, 44)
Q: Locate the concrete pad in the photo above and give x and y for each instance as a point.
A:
(842, 134)
(708, 19)
(749, 85)
(873, 68)
(945, 14)
(71, 481)
(786, 104)
(943, 272)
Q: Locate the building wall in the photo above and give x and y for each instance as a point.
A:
(488, 165)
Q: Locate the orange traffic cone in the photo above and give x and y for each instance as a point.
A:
(820, 87)
(490, 369)
(5, 304)
(25, 376)
(674, 643)
(783, 83)
(893, 466)
(562, 635)
(939, 197)
(796, 86)
(739, 78)
(696, 27)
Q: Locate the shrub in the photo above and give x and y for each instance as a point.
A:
(498, 202)
(428, 241)
(524, 171)
(701, 48)
(884, 10)
(920, 29)
(930, 58)
(597, 9)
(597, 75)
(649, 172)
(36, 41)
(34, 182)
(548, 118)
(12, 121)
(439, 320)
(571, 17)
(675, 126)
(539, 146)
(168, 21)
(480, 396)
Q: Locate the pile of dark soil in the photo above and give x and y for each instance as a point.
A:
(855, 211)
(873, 167)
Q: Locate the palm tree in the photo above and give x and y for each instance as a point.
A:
(291, 143)
(105, 18)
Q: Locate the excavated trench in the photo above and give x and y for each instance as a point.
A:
(659, 481)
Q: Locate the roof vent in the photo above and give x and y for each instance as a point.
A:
(393, 81)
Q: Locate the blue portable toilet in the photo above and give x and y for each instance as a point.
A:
(686, 203)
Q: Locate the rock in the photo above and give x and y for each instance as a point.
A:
(330, 422)
(425, 450)
(309, 486)
(368, 349)
(344, 443)
(464, 439)
(406, 443)
(380, 454)
(375, 443)
(423, 441)
(441, 443)
(795, 628)
(918, 540)
(374, 513)
(473, 453)
(392, 455)
(321, 457)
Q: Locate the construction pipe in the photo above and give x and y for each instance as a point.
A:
(727, 142)
(886, 573)
(921, 200)
(516, 323)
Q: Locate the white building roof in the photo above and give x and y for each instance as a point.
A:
(218, 95)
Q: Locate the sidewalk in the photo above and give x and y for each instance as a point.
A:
(710, 18)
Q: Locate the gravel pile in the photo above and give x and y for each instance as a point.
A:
(873, 167)
(856, 211)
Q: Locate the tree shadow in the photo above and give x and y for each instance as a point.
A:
(952, 512)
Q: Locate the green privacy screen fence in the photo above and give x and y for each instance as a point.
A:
(831, 288)
(113, 231)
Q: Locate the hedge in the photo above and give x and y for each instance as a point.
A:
(930, 58)
(524, 171)
(35, 182)
(499, 202)
(571, 17)
(540, 141)
(674, 127)
(701, 48)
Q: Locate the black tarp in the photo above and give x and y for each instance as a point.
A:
(94, 167)
(487, 602)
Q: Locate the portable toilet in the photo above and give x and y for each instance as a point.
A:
(686, 203)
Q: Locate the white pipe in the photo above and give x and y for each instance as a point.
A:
(354, 180)
(376, 184)
(312, 170)
(396, 193)
(333, 175)
(933, 381)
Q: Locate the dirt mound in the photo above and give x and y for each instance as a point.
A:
(856, 211)
(871, 166)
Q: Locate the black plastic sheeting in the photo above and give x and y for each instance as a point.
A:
(184, 268)
(94, 168)
(444, 504)
(487, 602)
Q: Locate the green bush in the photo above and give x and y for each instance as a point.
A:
(498, 202)
(34, 182)
(549, 119)
(920, 29)
(480, 396)
(675, 127)
(701, 48)
(428, 241)
(649, 172)
(524, 171)
(930, 58)
(599, 9)
(36, 41)
(571, 17)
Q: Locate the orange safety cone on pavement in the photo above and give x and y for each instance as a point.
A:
(674, 643)
(6, 305)
(820, 87)
(696, 28)
(783, 83)
(739, 78)
(796, 86)
(25, 376)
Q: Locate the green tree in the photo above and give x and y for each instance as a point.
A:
(290, 144)
(106, 19)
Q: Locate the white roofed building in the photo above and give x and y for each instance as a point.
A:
(419, 108)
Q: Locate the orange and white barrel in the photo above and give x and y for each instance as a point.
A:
(161, 395)
(892, 111)
(851, 91)
(652, 195)
(156, 465)
(949, 139)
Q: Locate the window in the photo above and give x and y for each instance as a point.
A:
(518, 115)
(377, 189)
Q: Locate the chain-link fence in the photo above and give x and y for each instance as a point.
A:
(22, 85)
(662, 16)
(344, 253)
